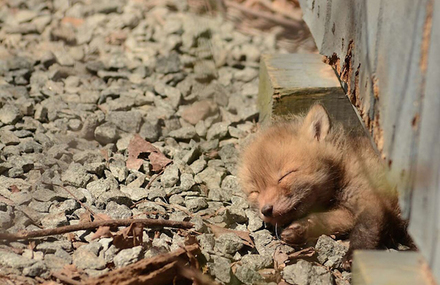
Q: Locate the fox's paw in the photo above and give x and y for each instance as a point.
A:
(347, 261)
(296, 233)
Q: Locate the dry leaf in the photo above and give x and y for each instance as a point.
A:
(103, 231)
(14, 189)
(129, 237)
(279, 259)
(306, 252)
(218, 231)
(137, 146)
(158, 161)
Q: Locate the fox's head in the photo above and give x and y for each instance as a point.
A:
(292, 168)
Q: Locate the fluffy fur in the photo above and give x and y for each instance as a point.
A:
(307, 175)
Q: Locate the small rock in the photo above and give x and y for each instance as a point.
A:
(330, 252)
(217, 131)
(228, 243)
(150, 132)
(305, 273)
(128, 256)
(106, 133)
(39, 268)
(76, 175)
(221, 269)
(129, 122)
(198, 111)
(54, 220)
(170, 64)
(170, 176)
(9, 114)
(85, 259)
(195, 204)
(184, 133)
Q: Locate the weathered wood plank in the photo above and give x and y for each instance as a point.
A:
(425, 221)
(384, 268)
(394, 82)
(292, 83)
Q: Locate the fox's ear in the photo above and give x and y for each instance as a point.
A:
(317, 123)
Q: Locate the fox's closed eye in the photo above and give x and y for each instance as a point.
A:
(287, 174)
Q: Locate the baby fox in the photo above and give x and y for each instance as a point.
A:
(308, 175)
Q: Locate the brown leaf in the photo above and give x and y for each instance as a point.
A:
(306, 252)
(279, 259)
(129, 237)
(137, 146)
(158, 161)
(103, 231)
(14, 189)
(218, 231)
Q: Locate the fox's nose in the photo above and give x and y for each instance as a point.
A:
(267, 210)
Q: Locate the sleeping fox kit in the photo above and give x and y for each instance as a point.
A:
(307, 175)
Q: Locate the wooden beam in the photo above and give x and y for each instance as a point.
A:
(291, 83)
(383, 268)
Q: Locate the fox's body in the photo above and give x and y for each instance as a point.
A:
(309, 176)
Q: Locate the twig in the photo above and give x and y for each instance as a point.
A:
(74, 197)
(154, 178)
(160, 269)
(279, 20)
(65, 279)
(195, 275)
(152, 223)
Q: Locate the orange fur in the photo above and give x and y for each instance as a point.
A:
(307, 174)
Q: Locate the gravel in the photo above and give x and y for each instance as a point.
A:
(77, 81)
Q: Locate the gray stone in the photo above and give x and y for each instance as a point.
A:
(184, 133)
(229, 155)
(8, 137)
(211, 176)
(14, 260)
(248, 275)
(134, 193)
(217, 131)
(39, 268)
(170, 176)
(128, 256)
(228, 243)
(169, 64)
(221, 269)
(129, 122)
(9, 114)
(186, 181)
(330, 252)
(176, 200)
(199, 111)
(54, 262)
(246, 74)
(305, 273)
(76, 175)
(117, 211)
(106, 133)
(54, 220)
(254, 220)
(55, 246)
(195, 204)
(201, 129)
(198, 165)
(84, 259)
(150, 132)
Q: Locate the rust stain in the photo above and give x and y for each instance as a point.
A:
(375, 82)
(347, 68)
(415, 121)
(426, 38)
(350, 75)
